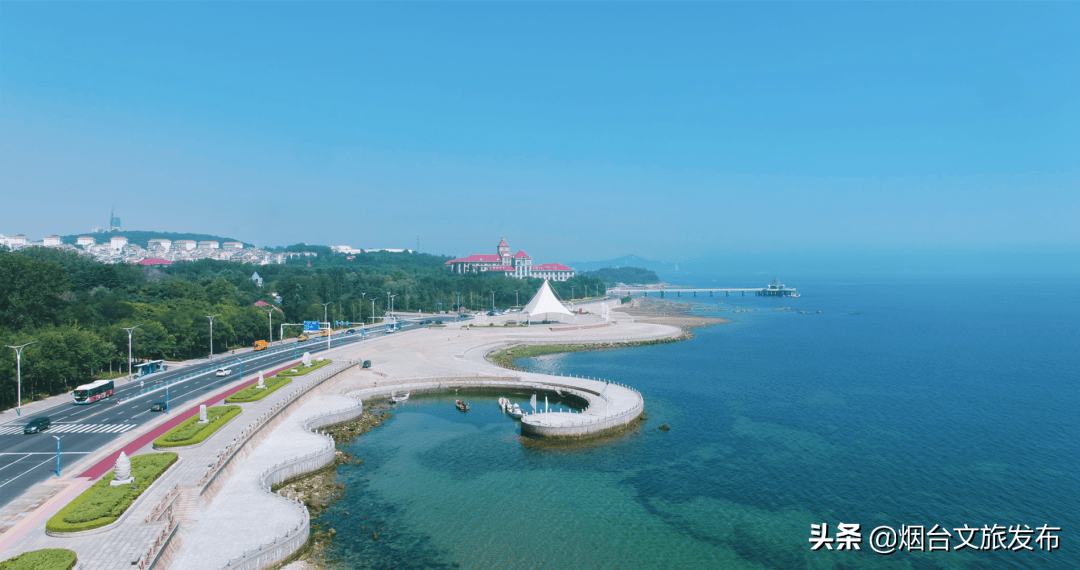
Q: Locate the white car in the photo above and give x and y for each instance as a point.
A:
(223, 371)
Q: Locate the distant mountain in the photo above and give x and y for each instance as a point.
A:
(142, 238)
(628, 275)
(625, 261)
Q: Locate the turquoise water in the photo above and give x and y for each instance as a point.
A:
(937, 403)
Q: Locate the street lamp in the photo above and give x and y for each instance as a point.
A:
(270, 325)
(131, 330)
(324, 305)
(362, 295)
(58, 438)
(18, 365)
(211, 317)
(571, 292)
(517, 299)
(493, 300)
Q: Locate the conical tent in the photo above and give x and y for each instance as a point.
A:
(544, 306)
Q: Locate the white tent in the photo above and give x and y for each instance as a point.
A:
(544, 306)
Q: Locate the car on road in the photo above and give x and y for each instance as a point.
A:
(491, 313)
(301, 338)
(223, 371)
(37, 424)
(367, 364)
(158, 407)
(350, 331)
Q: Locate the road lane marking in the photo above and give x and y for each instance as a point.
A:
(73, 428)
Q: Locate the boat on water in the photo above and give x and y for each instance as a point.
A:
(461, 405)
(395, 399)
(515, 412)
(504, 404)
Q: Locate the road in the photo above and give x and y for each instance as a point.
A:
(92, 428)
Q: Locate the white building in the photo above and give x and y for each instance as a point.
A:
(117, 243)
(53, 241)
(346, 249)
(233, 245)
(86, 241)
(209, 244)
(185, 244)
(163, 244)
(518, 265)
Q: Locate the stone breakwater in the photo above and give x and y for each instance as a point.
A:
(604, 406)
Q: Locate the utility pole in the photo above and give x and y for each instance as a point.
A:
(493, 300)
(211, 317)
(517, 299)
(131, 330)
(18, 366)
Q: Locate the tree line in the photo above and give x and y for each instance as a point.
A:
(76, 308)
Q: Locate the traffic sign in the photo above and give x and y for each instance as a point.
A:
(311, 326)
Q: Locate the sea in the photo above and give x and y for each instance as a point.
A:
(894, 423)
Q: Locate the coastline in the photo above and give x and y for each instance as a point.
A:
(445, 356)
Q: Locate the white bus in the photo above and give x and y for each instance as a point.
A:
(90, 393)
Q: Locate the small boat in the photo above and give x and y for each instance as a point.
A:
(461, 405)
(394, 399)
(504, 404)
(515, 412)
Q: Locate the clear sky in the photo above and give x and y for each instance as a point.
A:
(579, 131)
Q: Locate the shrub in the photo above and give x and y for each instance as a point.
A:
(102, 503)
(301, 370)
(191, 431)
(46, 559)
(252, 394)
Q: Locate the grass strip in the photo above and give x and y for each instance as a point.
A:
(301, 370)
(253, 394)
(45, 559)
(190, 431)
(102, 503)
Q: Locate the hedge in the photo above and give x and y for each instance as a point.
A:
(46, 559)
(301, 370)
(102, 503)
(191, 432)
(252, 394)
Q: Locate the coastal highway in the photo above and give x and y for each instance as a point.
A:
(92, 428)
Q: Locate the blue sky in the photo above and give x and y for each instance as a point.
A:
(580, 131)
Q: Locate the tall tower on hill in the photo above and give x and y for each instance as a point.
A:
(114, 222)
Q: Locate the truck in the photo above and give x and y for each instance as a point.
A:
(301, 338)
(261, 345)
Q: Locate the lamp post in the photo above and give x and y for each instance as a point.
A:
(270, 325)
(58, 438)
(517, 298)
(324, 305)
(493, 300)
(571, 292)
(211, 317)
(362, 295)
(131, 330)
(18, 367)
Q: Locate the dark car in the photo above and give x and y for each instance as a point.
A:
(367, 364)
(37, 424)
(350, 331)
(491, 313)
(158, 407)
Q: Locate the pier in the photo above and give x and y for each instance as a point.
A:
(775, 289)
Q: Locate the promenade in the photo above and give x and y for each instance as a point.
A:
(213, 509)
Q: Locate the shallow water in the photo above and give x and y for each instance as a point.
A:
(945, 404)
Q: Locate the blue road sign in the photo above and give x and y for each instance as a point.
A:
(311, 326)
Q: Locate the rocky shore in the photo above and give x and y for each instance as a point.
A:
(667, 312)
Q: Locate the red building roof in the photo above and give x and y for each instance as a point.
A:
(503, 243)
(477, 258)
(551, 267)
(521, 255)
(154, 261)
